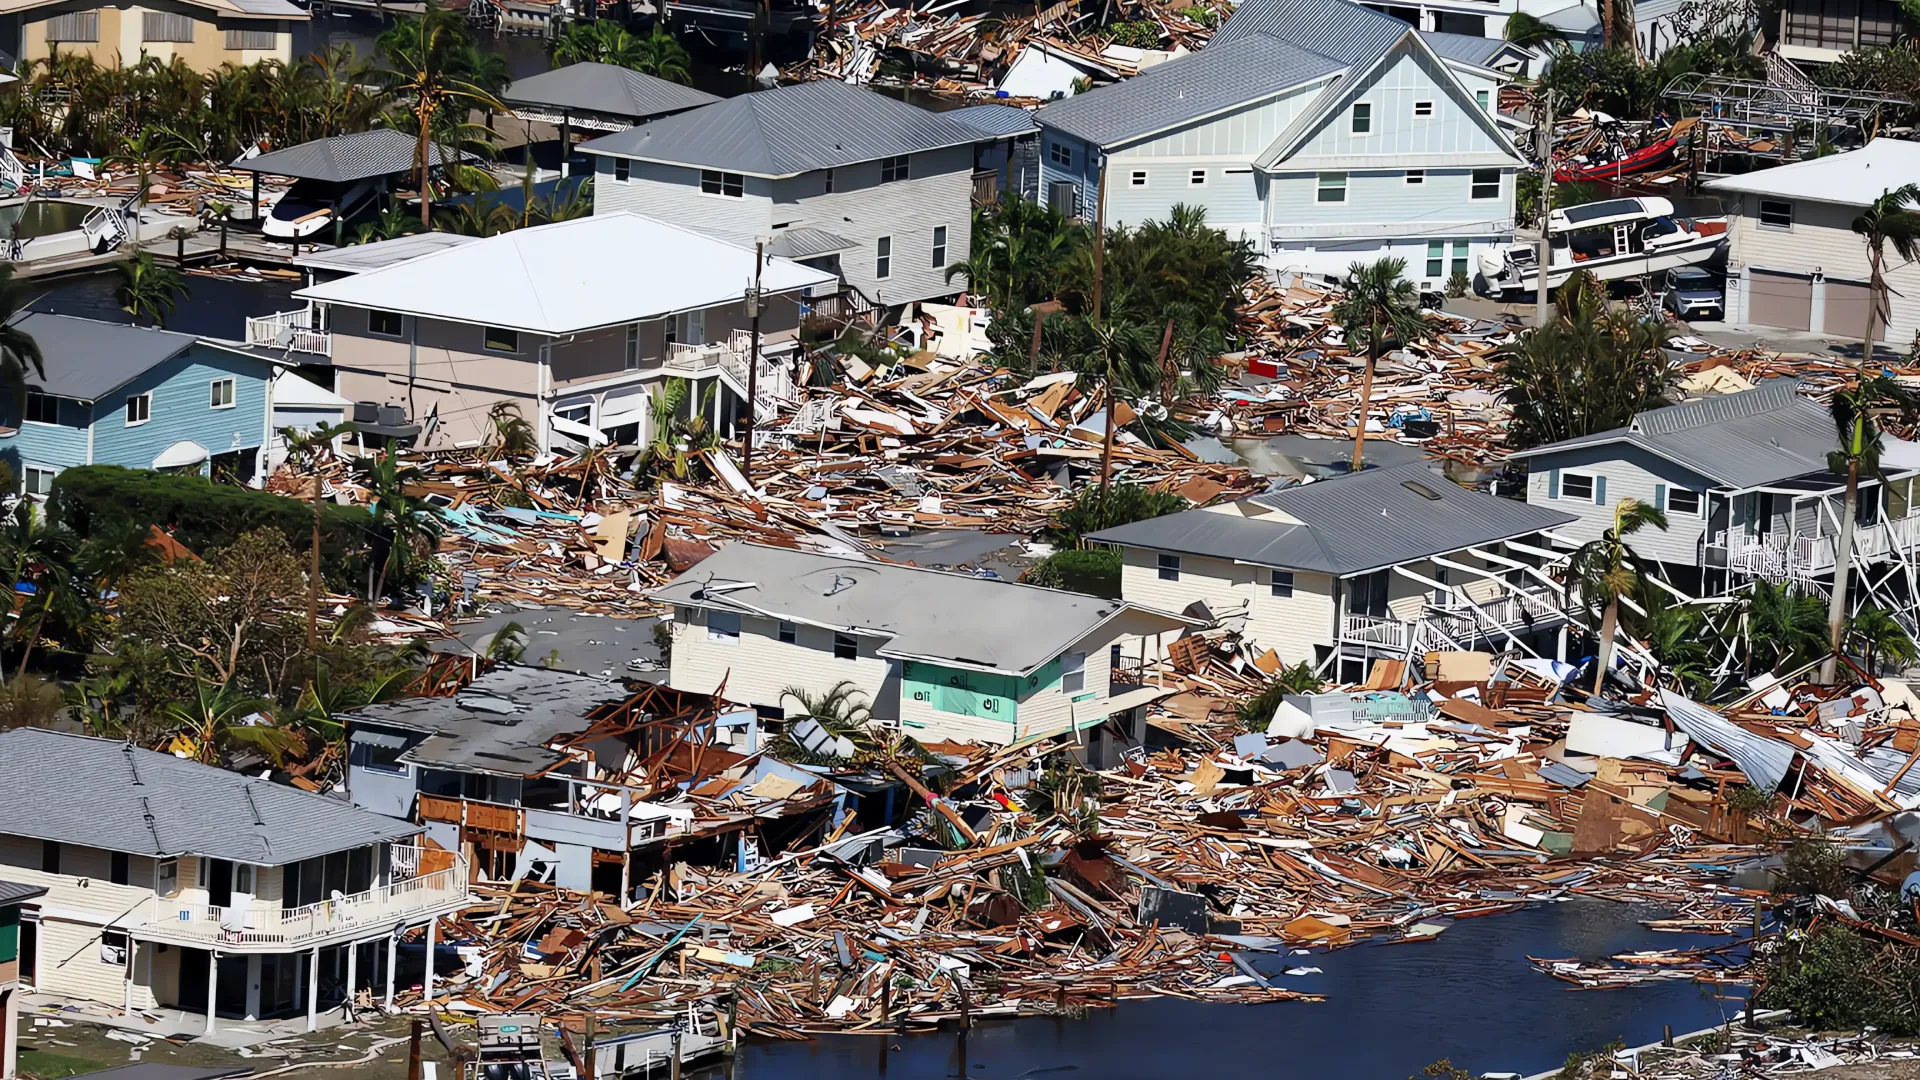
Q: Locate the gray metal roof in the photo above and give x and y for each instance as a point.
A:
(1464, 48)
(1001, 120)
(1224, 75)
(500, 723)
(13, 892)
(789, 130)
(1347, 525)
(75, 789)
(87, 359)
(1339, 29)
(806, 242)
(345, 158)
(606, 89)
(963, 620)
(360, 258)
(1765, 435)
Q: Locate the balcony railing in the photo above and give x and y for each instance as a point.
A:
(265, 926)
(1784, 556)
(775, 387)
(295, 331)
(1456, 625)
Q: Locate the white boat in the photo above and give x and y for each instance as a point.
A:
(310, 206)
(1615, 239)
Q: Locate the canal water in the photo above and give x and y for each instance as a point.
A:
(1469, 995)
(211, 307)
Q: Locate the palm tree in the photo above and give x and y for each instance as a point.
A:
(405, 528)
(18, 350)
(1119, 355)
(1530, 31)
(1381, 308)
(219, 718)
(427, 77)
(391, 222)
(1784, 627)
(1605, 571)
(1891, 220)
(41, 556)
(513, 436)
(148, 290)
(307, 448)
(1853, 410)
(150, 147)
(1677, 637)
(840, 708)
(1880, 637)
(1020, 254)
(664, 58)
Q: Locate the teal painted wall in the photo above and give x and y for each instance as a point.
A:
(977, 694)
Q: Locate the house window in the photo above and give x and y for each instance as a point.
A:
(1682, 501)
(1362, 118)
(42, 408)
(499, 340)
(36, 480)
(789, 633)
(238, 40)
(632, 361)
(826, 187)
(1138, 178)
(883, 258)
(894, 169)
(939, 246)
(166, 877)
(1575, 485)
(243, 878)
(49, 856)
(113, 948)
(165, 26)
(1459, 257)
(622, 170)
(1482, 98)
(385, 324)
(723, 627)
(1073, 673)
(1776, 214)
(1197, 178)
(220, 394)
(1169, 567)
(1416, 177)
(1060, 155)
(1281, 583)
(117, 867)
(1333, 188)
(730, 184)
(139, 409)
(845, 646)
(579, 412)
(1422, 109)
(76, 26)
(1486, 183)
(688, 328)
(1436, 257)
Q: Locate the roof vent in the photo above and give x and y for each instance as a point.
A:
(1421, 490)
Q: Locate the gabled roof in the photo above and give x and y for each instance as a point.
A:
(12, 892)
(954, 619)
(1339, 29)
(343, 159)
(1855, 178)
(88, 359)
(1766, 435)
(1350, 524)
(999, 120)
(499, 723)
(569, 277)
(607, 90)
(1467, 49)
(789, 130)
(75, 789)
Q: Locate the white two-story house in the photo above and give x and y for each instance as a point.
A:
(829, 174)
(939, 655)
(1324, 132)
(171, 884)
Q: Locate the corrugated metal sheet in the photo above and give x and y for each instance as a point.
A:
(1339, 29)
(1001, 120)
(1764, 760)
(1467, 49)
(608, 90)
(789, 130)
(87, 358)
(346, 158)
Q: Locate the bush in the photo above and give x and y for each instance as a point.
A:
(1094, 509)
(1094, 571)
(203, 515)
(1813, 866)
(1836, 979)
(1138, 35)
(1257, 711)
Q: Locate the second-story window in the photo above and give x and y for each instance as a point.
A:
(1060, 155)
(939, 246)
(385, 323)
(1486, 184)
(1422, 109)
(1073, 673)
(42, 408)
(1168, 566)
(139, 409)
(622, 170)
(723, 627)
(1333, 188)
(498, 339)
(730, 184)
(1197, 178)
(845, 647)
(220, 394)
(894, 169)
(1362, 118)
(789, 633)
(633, 346)
(1281, 583)
(883, 258)
(827, 186)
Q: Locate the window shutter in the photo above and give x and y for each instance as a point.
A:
(1660, 497)
(1553, 484)
(1600, 491)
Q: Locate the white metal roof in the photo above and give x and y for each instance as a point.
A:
(1855, 178)
(569, 277)
(291, 391)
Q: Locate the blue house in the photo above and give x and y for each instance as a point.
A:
(1323, 132)
(145, 399)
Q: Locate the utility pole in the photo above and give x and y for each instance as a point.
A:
(313, 571)
(1544, 258)
(753, 360)
(1099, 236)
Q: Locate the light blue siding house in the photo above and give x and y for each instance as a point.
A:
(1323, 132)
(131, 396)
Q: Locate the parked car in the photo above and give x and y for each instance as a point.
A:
(1693, 293)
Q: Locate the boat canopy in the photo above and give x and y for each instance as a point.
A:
(1610, 212)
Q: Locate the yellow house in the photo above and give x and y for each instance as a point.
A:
(204, 33)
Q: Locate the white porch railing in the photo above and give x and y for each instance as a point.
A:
(295, 331)
(774, 388)
(1799, 556)
(1455, 627)
(270, 926)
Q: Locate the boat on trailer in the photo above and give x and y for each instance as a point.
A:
(1612, 240)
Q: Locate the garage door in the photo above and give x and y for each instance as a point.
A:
(1848, 305)
(1783, 300)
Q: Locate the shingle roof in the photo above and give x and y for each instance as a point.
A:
(12, 892)
(789, 130)
(87, 359)
(1222, 76)
(1347, 525)
(1001, 120)
(1765, 435)
(606, 89)
(106, 794)
(501, 722)
(925, 614)
(346, 158)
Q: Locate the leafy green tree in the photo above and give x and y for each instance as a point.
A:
(1094, 571)
(1380, 310)
(426, 74)
(1606, 571)
(1784, 627)
(1020, 253)
(1855, 410)
(1530, 31)
(19, 353)
(1097, 508)
(840, 708)
(405, 528)
(43, 558)
(1877, 636)
(148, 290)
(1590, 368)
(602, 42)
(215, 720)
(392, 221)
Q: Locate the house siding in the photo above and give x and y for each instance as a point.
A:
(1296, 626)
(938, 191)
(1631, 473)
(449, 370)
(47, 446)
(672, 193)
(1220, 583)
(1821, 241)
(180, 409)
(1233, 194)
(1457, 126)
(757, 667)
(1440, 206)
(122, 28)
(1082, 171)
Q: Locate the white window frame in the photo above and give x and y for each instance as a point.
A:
(1760, 216)
(1474, 184)
(232, 386)
(145, 410)
(1280, 583)
(1137, 178)
(34, 396)
(1592, 481)
(939, 246)
(723, 627)
(1073, 673)
(166, 878)
(400, 324)
(721, 181)
(1699, 500)
(1436, 258)
(1415, 177)
(1461, 258)
(622, 170)
(30, 473)
(788, 633)
(1167, 565)
(1358, 122)
(1423, 109)
(1484, 99)
(1322, 188)
(882, 258)
(1196, 178)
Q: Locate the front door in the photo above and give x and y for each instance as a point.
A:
(194, 965)
(230, 991)
(219, 883)
(29, 946)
